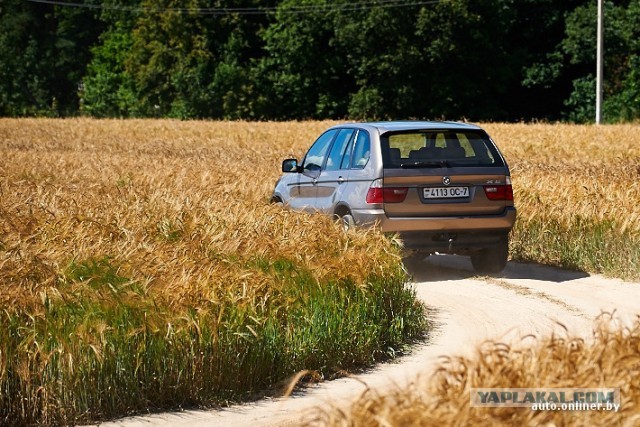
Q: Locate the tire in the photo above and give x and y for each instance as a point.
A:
(491, 260)
(348, 223)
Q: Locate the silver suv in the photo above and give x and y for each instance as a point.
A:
(442, 186)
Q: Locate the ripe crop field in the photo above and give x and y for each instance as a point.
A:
(577, 189)
(612, 357)
(143, 268)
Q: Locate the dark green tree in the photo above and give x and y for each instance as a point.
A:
(377, 45)
(574, 60)
(175, 58)
(480, 60)
(44, 50)
(236, 43)
(108, 89)
(465, 64)
(168, 62)
(301, 74)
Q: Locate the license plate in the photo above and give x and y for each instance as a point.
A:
(446, 192)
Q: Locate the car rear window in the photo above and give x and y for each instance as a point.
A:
(438, 148)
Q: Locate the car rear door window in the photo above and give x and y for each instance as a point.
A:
(339, 149)
(361, 150)
(346, 159)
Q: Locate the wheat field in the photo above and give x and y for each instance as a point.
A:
(147, 193)
(142, 267)
(143, 257)
(611, 359)
(577, 189)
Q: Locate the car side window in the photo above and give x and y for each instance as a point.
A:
(318, 152)
(339, 148)
(361, 150)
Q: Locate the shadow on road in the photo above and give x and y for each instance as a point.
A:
(437, 268)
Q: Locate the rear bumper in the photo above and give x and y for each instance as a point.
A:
(457, 234)
(503, 221)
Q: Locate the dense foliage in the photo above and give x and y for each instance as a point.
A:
(264, 59)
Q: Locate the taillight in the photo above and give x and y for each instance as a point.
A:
(379, 194)
(499, 192)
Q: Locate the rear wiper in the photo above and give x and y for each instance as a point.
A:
(429, 164)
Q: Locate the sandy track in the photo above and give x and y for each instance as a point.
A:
(466, 310)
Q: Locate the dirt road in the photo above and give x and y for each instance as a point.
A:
(466, 310)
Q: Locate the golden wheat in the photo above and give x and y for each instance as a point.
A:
(173, 199)
(568, 171)
(611, 360)
(145, 256)
(168, 223)
(72, 189)
(577, 192)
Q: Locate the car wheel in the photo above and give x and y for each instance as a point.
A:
(491, 260)
(348, 223)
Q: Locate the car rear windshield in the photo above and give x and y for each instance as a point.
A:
(439, 148)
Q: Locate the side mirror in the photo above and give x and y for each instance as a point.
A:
(290, 165)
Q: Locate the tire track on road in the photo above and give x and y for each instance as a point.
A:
(526, 291)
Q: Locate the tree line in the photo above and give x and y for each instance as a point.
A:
(498, 60)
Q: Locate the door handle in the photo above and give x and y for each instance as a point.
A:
(340, 180)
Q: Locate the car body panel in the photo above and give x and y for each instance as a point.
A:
(330, 188)
(302, 191)
(415, 204)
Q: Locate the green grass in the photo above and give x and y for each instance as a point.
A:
(104, 347)
(585, 245)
